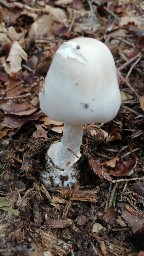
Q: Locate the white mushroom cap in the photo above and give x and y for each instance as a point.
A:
(81, 85)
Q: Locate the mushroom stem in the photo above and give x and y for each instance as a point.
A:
(62, 156)
(67, 152)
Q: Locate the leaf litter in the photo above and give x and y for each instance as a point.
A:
(103, 214)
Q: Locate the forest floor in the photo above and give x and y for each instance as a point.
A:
(103, 213)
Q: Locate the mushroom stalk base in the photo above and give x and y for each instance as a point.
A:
(62, 156)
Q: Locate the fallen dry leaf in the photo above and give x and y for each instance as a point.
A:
(41, 27)
(140, 42)
(57, 14)
(40, 132)
(97, 228)
(16, 55)
(124, 168)
(112, 162)
(15, 36)
(59, 223)
(58, 129)
(141, 253)
(3, 39)
(114, 135)
(139, 187)
(15, 121)
(98, 169)
(3, 132)
(141, 99)
(125, 96)
(136, 20)
(110, 215)
(48, 121)
(132, 217)
(14, 107)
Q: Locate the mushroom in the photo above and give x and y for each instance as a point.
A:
(80, 88)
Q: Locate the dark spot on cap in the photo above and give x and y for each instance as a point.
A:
(76, 84)
(78, 47)
(85, 105)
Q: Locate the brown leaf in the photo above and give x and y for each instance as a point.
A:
(97, 228)
(125, 20)
(58, 129)
(95, 166)
(4, 77)
(140, 42)
(57, 14)
(13, 64)
(133, 218)
(14, 36)
(13, 121)
(4, 132)
(139, 187)
(48, 121)
(141, 99)
(59, 29)
(59, 223)
(110, 215)
(124, 168)
(98, 169)
(114, 135)
(141, 253)
(27, 112)
(13, 107)
(41, 27)
(112, 162)
(40, 132)
(77, 4)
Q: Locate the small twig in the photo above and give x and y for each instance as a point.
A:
(27, 68)
(72, 22)
(128, 153)
(129, 62)
(72, 253)
(124, 41)
(5, 4)
(127, 83)
(132, 89)
(131, 110)
(107, 10)
(107, 202)
(16, 97)
(126, 180)
(27, 7)
(94, 248)
(112, 14)
(112, 194)
(66, 209)
(70, 150)
(10, 89)
(133, 66)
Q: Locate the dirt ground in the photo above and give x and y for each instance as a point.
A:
(103, 213)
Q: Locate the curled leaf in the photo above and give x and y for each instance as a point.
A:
(124, 168)
(16, 55)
